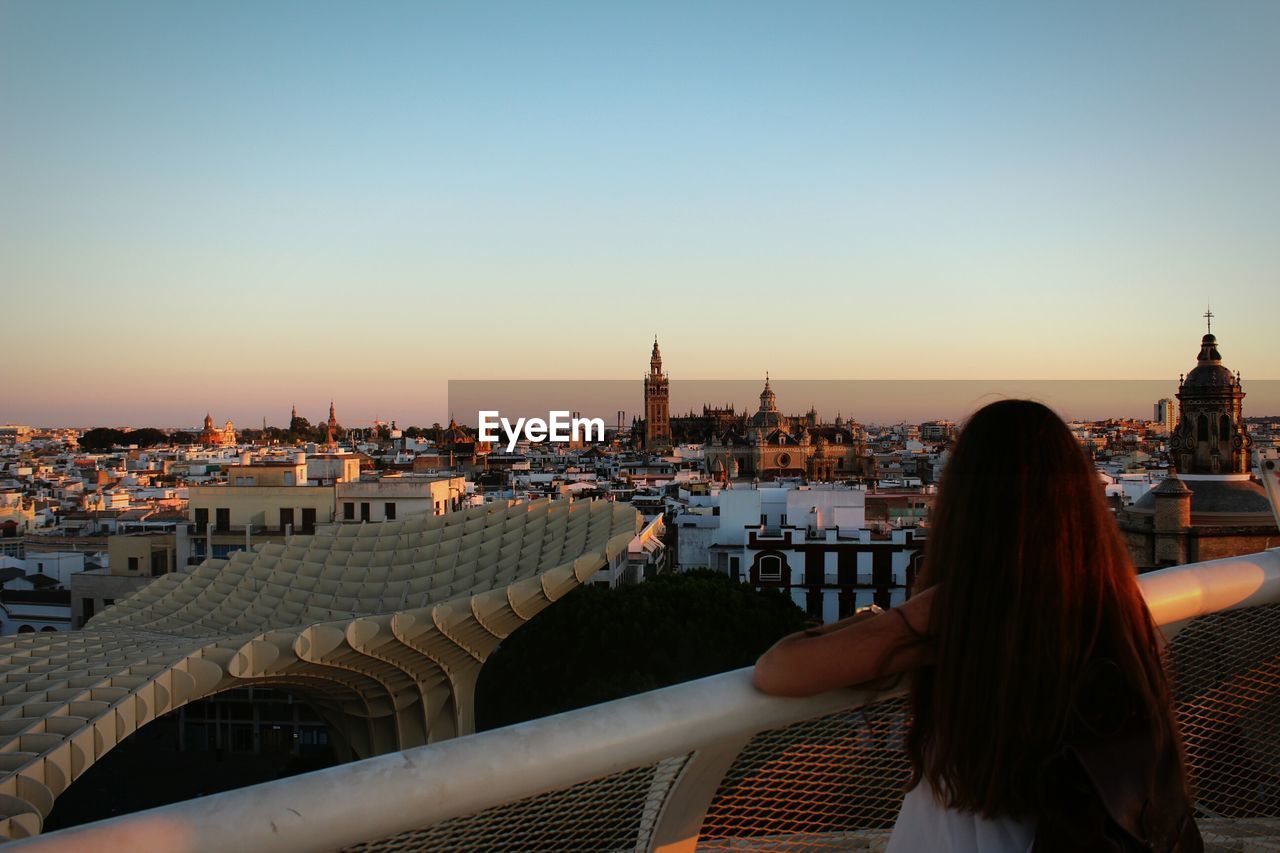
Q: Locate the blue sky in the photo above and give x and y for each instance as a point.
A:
(233, 206)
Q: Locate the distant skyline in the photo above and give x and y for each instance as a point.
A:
(234, 207)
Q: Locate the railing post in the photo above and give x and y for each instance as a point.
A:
(680, 820)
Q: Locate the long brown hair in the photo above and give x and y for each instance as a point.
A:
(1035, 586)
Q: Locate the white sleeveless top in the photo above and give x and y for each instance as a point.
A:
(924, 824)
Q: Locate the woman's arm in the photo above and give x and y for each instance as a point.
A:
(851, 651)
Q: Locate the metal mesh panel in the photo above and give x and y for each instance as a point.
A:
(813, 782)
(1227, 689)
(823, 782)
(613, 813)
(835, 782)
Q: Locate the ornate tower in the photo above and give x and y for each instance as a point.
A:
(657, 403)
(1210, 437)
(331, 426)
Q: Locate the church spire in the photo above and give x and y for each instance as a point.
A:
(768, 399)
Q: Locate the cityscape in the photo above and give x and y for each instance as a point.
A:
(420, 422)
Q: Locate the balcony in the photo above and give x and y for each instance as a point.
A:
(713, 764)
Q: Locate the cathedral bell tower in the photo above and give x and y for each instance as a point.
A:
(1210, 437)
(657, 403)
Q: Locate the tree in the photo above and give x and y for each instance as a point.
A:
(598, 644)
(102, 438)
(146, 437)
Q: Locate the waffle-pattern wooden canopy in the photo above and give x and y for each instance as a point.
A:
(382, 628)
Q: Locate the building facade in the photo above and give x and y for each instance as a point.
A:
(813, 543)
(775, 446)
(212, 436)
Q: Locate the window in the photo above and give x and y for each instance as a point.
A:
(107, 602)
(364, 510)
(771, 568)
(389, 511)
(40, 568)
(222, 519)
(86, 610)
(308, 519)
(133, 564)
(1202, 428)
(286, 517)
(202, 519)
(289, 479)
(349, 511)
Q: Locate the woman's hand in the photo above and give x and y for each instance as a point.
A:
(852, 651)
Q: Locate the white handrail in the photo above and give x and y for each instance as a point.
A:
(1197, 589)
(398, 792)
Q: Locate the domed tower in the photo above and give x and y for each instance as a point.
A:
(767, 418)
(1211, 436)
(768, 399)
(657, 403)
(1212, 507)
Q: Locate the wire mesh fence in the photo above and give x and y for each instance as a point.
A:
(836, 782)
(614, 813)
(1227, 690)
(812, 782)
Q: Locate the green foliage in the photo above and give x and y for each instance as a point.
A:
(147, 437)
(105, 438)
(598, 644)
(101, 438)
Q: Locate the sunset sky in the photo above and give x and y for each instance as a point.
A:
(233, 207)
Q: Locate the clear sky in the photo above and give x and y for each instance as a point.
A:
(235, 206)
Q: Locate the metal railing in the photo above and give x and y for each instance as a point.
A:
(714, 764)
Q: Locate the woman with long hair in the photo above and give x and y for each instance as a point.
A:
(1041, 716)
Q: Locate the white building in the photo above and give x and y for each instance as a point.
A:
(812, 542)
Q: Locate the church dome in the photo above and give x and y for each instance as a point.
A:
(1209, 372)
(1217, 496)
(1209, 376)
(766, 419)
